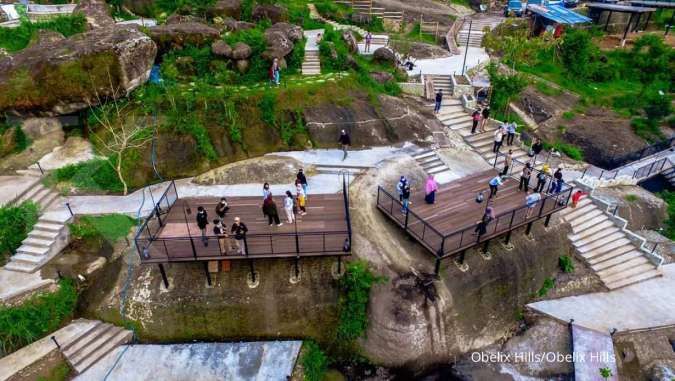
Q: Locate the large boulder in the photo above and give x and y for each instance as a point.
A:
(96, 12)
(65, 76)
(350, 41)
(232, 25)
(225, 8)
(279, 40)
(384, 55)
(222, 49)
(177, 18)
(241, 51)
(381, 76)
(273, 12)
(176, 36)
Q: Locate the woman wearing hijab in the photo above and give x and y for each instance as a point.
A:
(400, 186)
(430, 187)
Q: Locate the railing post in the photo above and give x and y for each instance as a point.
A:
(42, 172)
(58, 346)
(601, 173)
(69, 209)
(250, 263)
(245, 245)
(494, 165)
(164, 279)
(543, 203)
(548, 219)
(208, 274)
(584, 172)
(437, 266)
(194, 250)
(529, 228)
(407, 214)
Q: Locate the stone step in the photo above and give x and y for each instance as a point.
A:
(608, 247)
(579, 221)
(49, 200)
(44, 234)
(20, 267)
(424, 154)
(460, 126)
(432, 163)
(30, 260)
(122, 336)
(584, 201)
(32, 250)
(607, 239)
(598, 234)
(31, 193)
(88, 342)
(621, 266)
(579, 211)
(427, 159)
(48, 226)
(591, 222)
(591, 231)
(612, 258)
(37, 242)
(30, 172)
(95, 324)
(437, 170)
(623, 282)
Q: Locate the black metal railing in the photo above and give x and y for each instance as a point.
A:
(157, 218)
(643, 152)
(652, 169)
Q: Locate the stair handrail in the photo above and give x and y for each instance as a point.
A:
(606, 207)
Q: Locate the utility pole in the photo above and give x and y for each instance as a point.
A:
(466, 51)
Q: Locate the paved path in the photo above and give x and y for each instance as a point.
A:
(270, 361)
(642, 305)
(592, 351)
(450, 65)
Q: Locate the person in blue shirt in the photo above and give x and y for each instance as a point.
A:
(510, 133)
(494, 185)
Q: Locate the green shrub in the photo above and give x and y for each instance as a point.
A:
(568, 115)
(110, 227)
(14, 39)
(36, 317)
(570, 150)
(504, 88)
(545, 89)
(355, 285)
(669, 198)
(577, 51)
(546, 287)
(314, 362)
(94, 175)
(16, 221)
(258, 69)
(630, 197)
(646, 129)
(566, 264)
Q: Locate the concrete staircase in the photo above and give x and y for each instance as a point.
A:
(94, 343)
(311, 64)
(441, 82)
(432, 164)
(475, 38)
(37, 192)
(606, 248)
(49, 236)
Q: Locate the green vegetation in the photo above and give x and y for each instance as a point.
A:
(110, 227)
(630, 197)
(568, 115)
(546, 287)
(570, 150)
(546, 89)
(96, 175)
(16, 221)
(314, 362)
(355, 285)
(669, 198)
(15, 39)
(505, 88)
(605, 373)
(61, 372)
(566, 264)
(12, 139)
(36, 317)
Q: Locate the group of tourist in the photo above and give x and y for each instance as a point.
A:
(480, 118)
(293, 205)
(403, 190)
(506, 131)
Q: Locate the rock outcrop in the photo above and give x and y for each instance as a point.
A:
(220, 48)
(65, 76)
(44, 36)
(280, 39)
(241, 51)
(350, 40)
(140, 7)
(384, 55)
(233, 25)
(226, 8)
(96, 12)
(176, 36)
(273, 12)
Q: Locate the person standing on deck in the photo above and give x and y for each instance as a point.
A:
(485, 115)
(222, 208)
(558, 183)
(406, 198)
(369, 40)
(303, 181)
(202, 221)
(510, 133)
(289, 207)
(481, 226)
(301, 198)
(270, 210)
(531, 200)
(439, 100)
(541, 179)
(494, 185)
(525, 177)
(508, 159)
(475, 117)
(499, 137)
(399, 187)
(239, 230)
(220, 232)
(266, 191)
(430, 187)
(345, 141)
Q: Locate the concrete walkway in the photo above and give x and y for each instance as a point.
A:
(624, 175)
(592, 351)
(450, 65)
(269, 361)
(643, 305)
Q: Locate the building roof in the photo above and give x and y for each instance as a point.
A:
(558, 14)
(654, 4)
(619, 8)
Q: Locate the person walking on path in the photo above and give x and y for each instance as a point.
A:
(345, 141)
(222, 208)
(481, 226)
(508, 159)
(266, 191)
(475, 118)
(239, 230)
(275, 72)
(202, 221)
(558, 180)
(289, 207)
(531, 200)
(402, 182)
(485, 115)
(439, 100)
(499, 137)
(525, 177)
(542, 177)
(494, 185)
(406, 198)
(369, 40)
(535, 150)
(221, 233)
(430, 190)
(270, 210)
(577, 196)
(301, 197)
(303, 181)
(510, 133)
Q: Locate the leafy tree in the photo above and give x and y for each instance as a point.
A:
(652, 59)
(577, 52)
(657, 103)
(504, 88)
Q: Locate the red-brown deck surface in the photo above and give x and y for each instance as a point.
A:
(322, 231)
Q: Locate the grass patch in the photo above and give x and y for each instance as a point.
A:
(37, 317)
(568, 115)
(565, 263)
(61, 372)
(16, 221)
(630, 197)
(15, 39)
(570, 150)
(314, 362)
(546, 89)
(546, 287)
(110, 227)
(95, 175)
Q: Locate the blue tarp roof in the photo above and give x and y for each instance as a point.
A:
(515, 5)
(558, 14)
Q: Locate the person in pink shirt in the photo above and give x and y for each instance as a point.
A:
(430, 190)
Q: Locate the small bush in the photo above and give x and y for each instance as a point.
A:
(646, 129)
(630, 197)
(15, 224)
(14, 39)
(36, 317)
(314, 362)
(568, 115)
(109, 228)
(570, 150)
(355, 285)
(566, 264)
(546, 287)
(91, 176)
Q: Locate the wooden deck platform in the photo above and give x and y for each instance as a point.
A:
(447, 227)
(321, 232)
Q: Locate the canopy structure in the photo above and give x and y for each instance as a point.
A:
(557, 14)
(596, 9)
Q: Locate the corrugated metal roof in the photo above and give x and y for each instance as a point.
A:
(558, 14)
